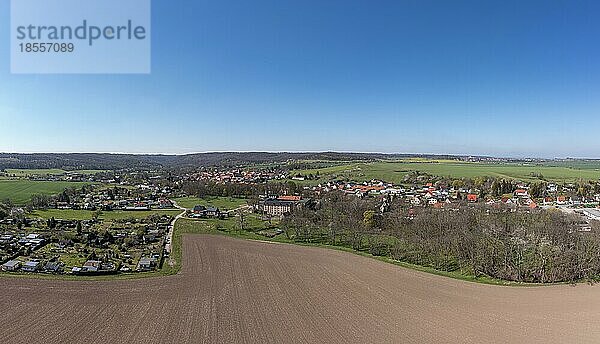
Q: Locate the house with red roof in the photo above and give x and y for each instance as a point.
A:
(521, 193)
(472, 197)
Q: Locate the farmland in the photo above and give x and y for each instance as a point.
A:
(228, 287)
(46, 172)
(20, 191)
(226, 227)
(394, 171)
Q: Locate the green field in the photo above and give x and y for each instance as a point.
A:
(20, 191)
(395, 171)
(46, 172)
(226, 203)
(577, 164)
(69, 214)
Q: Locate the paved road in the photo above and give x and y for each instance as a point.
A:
(235, 291)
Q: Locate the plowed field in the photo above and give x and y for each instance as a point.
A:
(236, 291)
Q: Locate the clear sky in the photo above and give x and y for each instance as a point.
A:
(505, 78)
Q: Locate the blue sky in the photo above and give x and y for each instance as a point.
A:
(504, 78)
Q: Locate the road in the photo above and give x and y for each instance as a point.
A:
(236, 291)
(169, 244)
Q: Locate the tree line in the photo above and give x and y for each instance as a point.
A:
(210, 188)
(543, 246)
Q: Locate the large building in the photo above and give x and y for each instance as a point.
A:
(276, 207)
(279, 206)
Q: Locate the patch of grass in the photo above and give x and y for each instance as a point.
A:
(34, 172)
(46, 172)
(394, 171)
(71, 260)
(20, 191)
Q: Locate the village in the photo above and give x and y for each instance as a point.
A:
(237, 175)
(438, 196)
(112, 239)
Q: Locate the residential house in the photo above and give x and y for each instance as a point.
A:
(472, 197)
(521, 193)
(165, 203)
(415, 201)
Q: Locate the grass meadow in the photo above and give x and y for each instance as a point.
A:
(394, 171)
(45, 172)
(20, 191)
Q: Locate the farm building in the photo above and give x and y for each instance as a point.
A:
(198, 209)
(202, 211)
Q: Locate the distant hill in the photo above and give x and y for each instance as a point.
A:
(76, 161)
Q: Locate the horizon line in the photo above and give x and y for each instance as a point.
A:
(301, 152)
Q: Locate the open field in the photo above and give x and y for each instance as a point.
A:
(233, 291)
(46, 172)
(227, 203)
(227, 227)
(395, 171)
(34, 172)
(20, 191)
(577, 164)
(106, 215)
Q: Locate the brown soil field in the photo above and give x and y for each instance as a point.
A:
(236, 291)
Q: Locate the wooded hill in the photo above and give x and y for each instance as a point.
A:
(78, 161)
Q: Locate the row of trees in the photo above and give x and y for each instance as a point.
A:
(542, 247)
(5, 207)
(210, 188)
